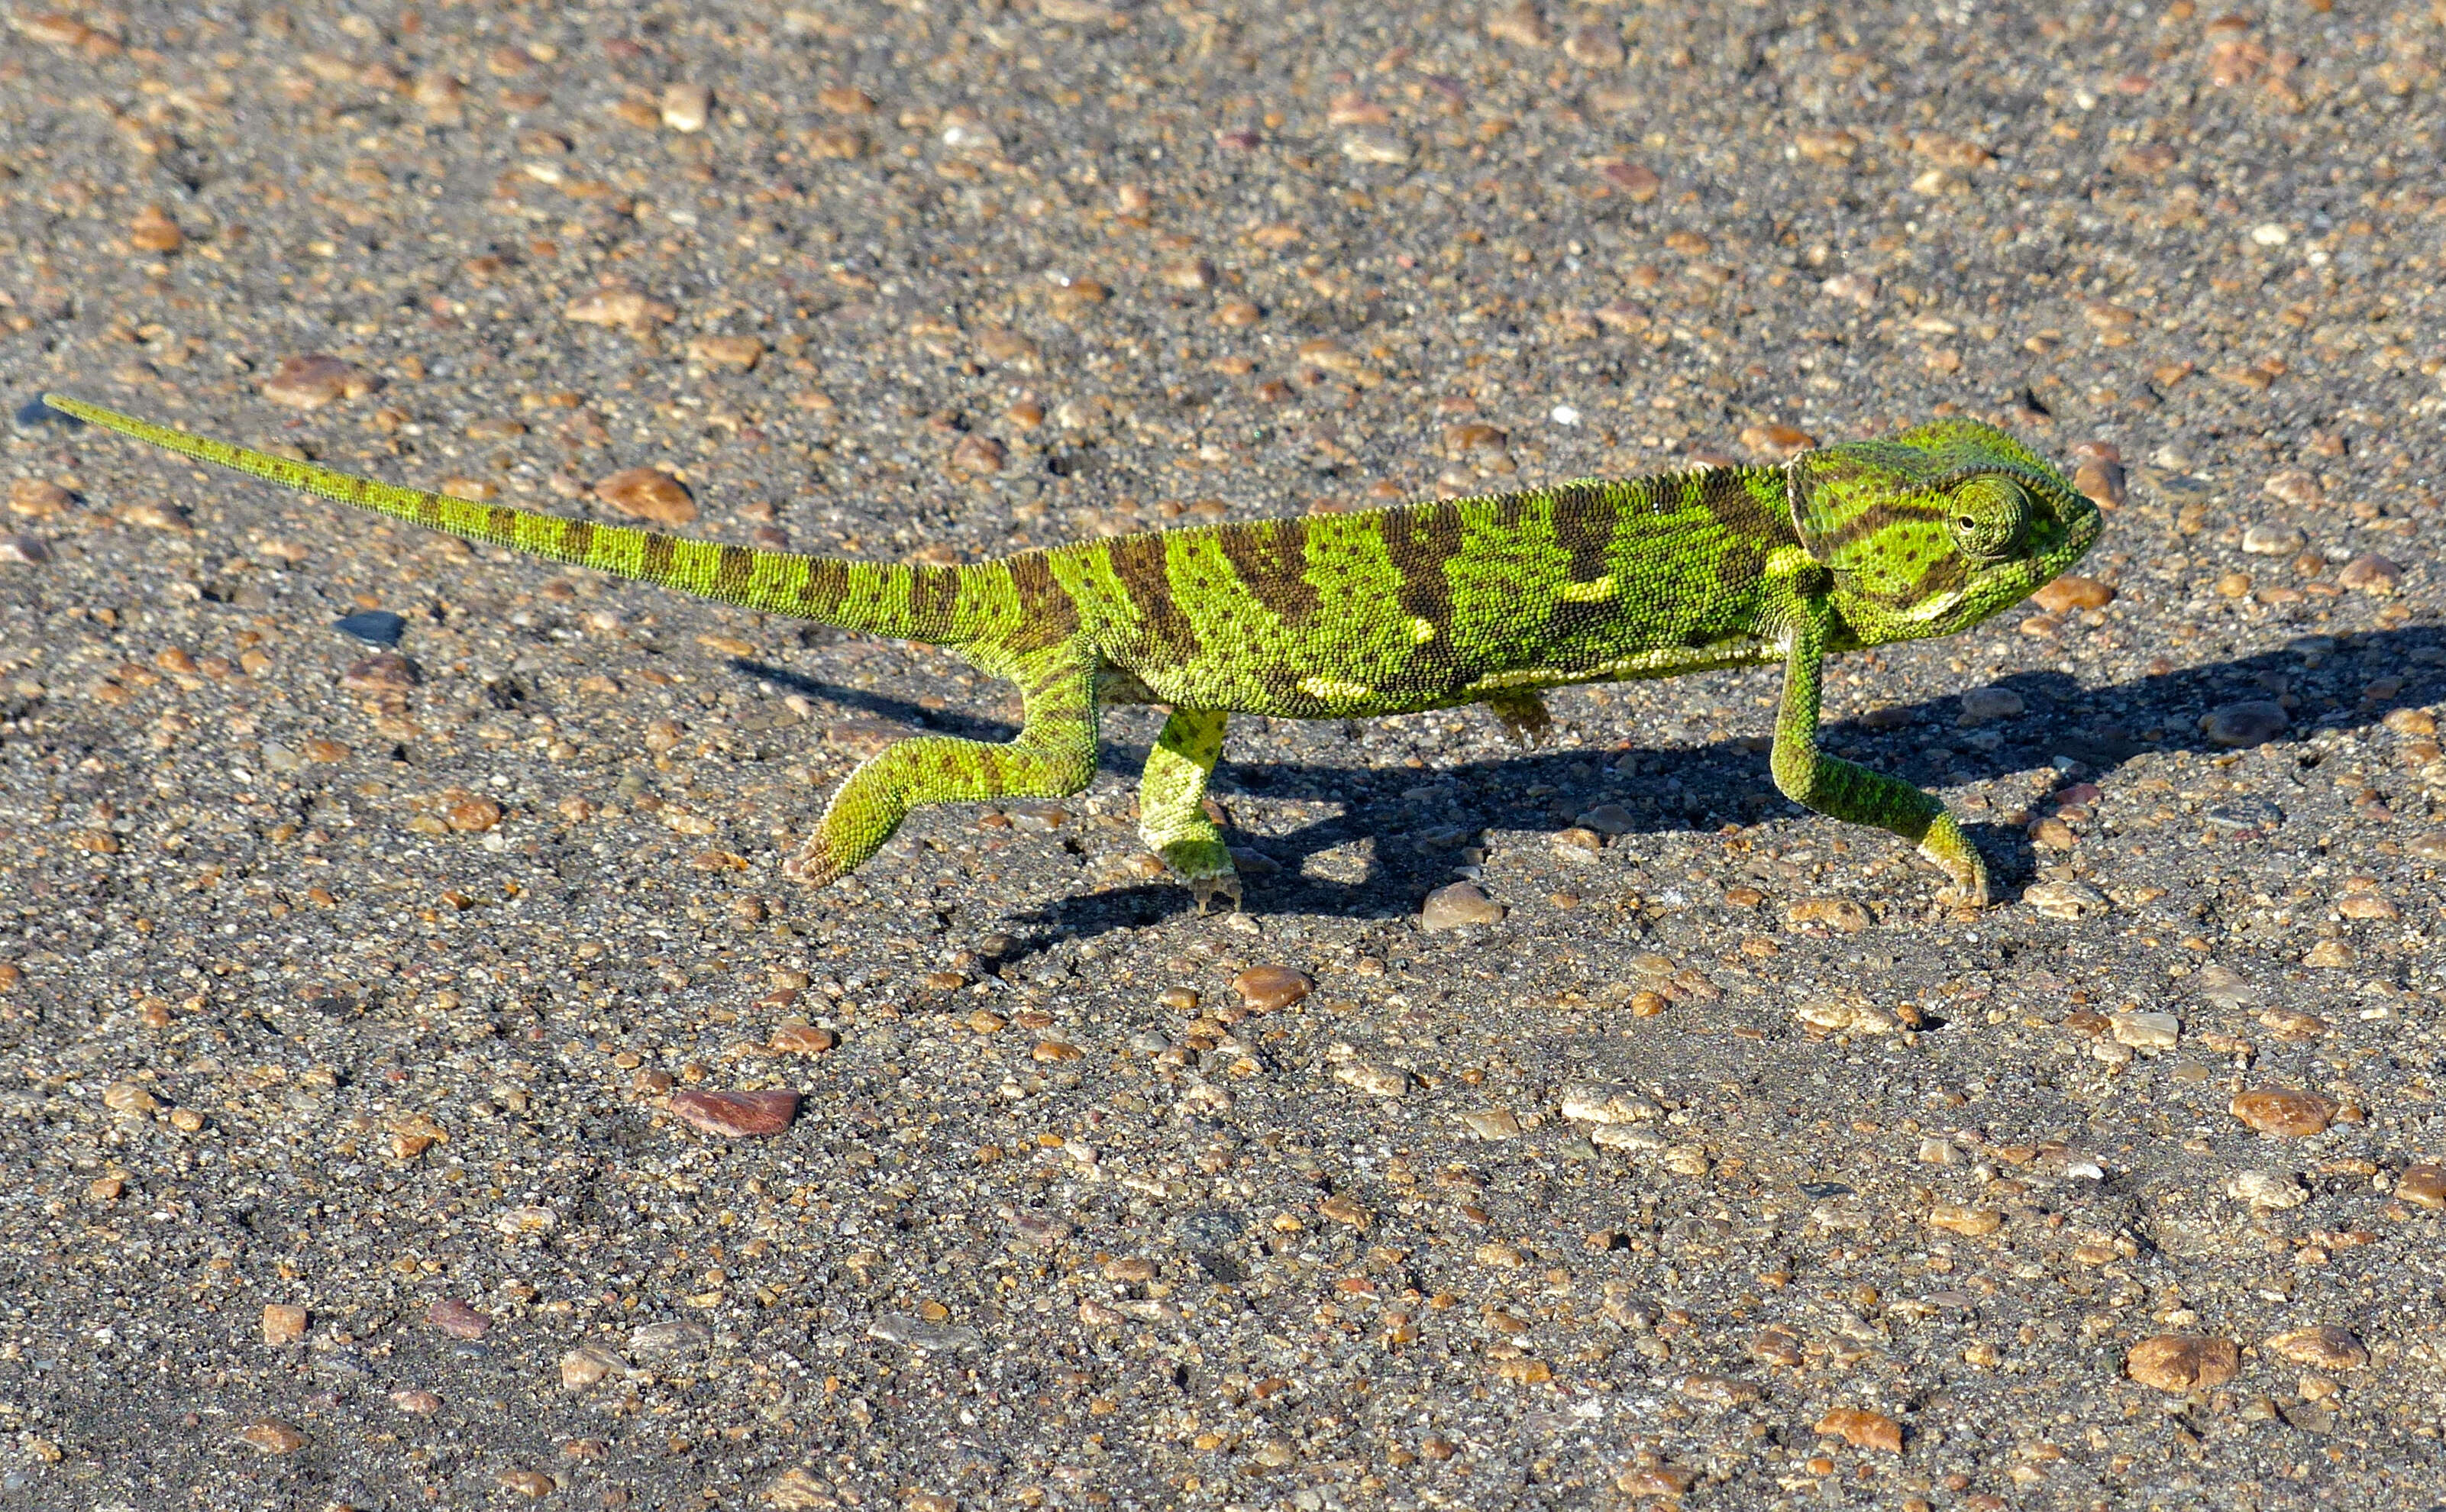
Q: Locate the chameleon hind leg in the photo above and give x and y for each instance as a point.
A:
(1054, 755)
(1172, 806)
(1846, 791)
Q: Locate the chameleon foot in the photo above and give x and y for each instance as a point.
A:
(1969, 887)
(813, 867)
(1205, 867)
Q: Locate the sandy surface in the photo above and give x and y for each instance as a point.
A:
(355, 1005)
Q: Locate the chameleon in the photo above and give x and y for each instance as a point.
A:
(1431, 605)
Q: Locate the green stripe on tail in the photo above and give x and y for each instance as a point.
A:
(936, 604)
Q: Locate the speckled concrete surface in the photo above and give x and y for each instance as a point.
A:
(359, 1005)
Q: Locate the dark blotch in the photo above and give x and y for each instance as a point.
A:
(375, 627)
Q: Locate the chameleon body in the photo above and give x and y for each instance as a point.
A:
(1423, 606)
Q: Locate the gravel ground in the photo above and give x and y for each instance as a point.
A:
(368, 1017)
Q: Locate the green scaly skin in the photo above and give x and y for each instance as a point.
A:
(1332, 616)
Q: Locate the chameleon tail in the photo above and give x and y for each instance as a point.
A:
(940, 605)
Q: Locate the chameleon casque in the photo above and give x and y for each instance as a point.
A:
(1423, 606)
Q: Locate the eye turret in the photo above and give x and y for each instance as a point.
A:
(1988, 516)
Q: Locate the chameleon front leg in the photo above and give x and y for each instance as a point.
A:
(1172, 806)
(1846, 791)
(1054, 755)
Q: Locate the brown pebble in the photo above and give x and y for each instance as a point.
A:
(648, 494)
(1456, 906)
(2069, 592)
(977, 456)
(803, 1039)
(2371, 574)
(1862, 1430)
(36, 498)
(270, 1436)
(313, 380)
(2323, 1347)
(738, 353)
(423, 1404)
(1778, 1346)
(471, 815)
(2101, 482)
(283, 1323)
(459, 1319)
(154, 231)
(625, 308)
(736, 1115)
(2422, 1186)
(1779, 442)
(387, 672)
(531, 1483)
(685, 105)
(2183, 1362)
(2282, 1112)
(1263, 989)
(1717, 1390)
(1971, 1221)
(1839, 913)
(1056, 1051)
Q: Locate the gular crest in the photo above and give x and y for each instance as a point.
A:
(1936, 528)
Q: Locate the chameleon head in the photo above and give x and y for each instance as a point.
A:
(1934, 530)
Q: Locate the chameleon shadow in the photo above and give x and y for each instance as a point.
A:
(2080, 733)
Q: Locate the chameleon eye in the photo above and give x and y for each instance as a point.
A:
(1989, 515)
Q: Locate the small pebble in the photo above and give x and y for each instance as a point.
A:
(802, 1039)
(2234, 727)
(1985, 705)
(2371, 574)
(2147, 1031)
(2273, 538)
(533, 1484)
(375, 627)
(25, 550)
(1457, 906)
(665, 1340)
(1862, 1430)
(685, 105)
(154, 231)
(2422, 1184)
(2282, 1112)
(2068, 593)
(458, 1319)
(1263, 989)
(1839, 913)
(314, 379)
(1608, 820)
(588, 1365)
(1972, 1222)
(283, 1323)
(2267, 1191)
(737, 353)
(2322, 1348)
(2183, 1362)
(625, 308)
(270, 1436)
(736, 1115)
(648, 494)
(38, 499)
(1373, 1078)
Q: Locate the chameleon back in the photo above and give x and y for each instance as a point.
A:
(1447, 602)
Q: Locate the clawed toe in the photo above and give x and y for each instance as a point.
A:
(1207, 889)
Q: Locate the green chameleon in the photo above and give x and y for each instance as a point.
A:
(1423, 606)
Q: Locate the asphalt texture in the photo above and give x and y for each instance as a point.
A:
(381, 914)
